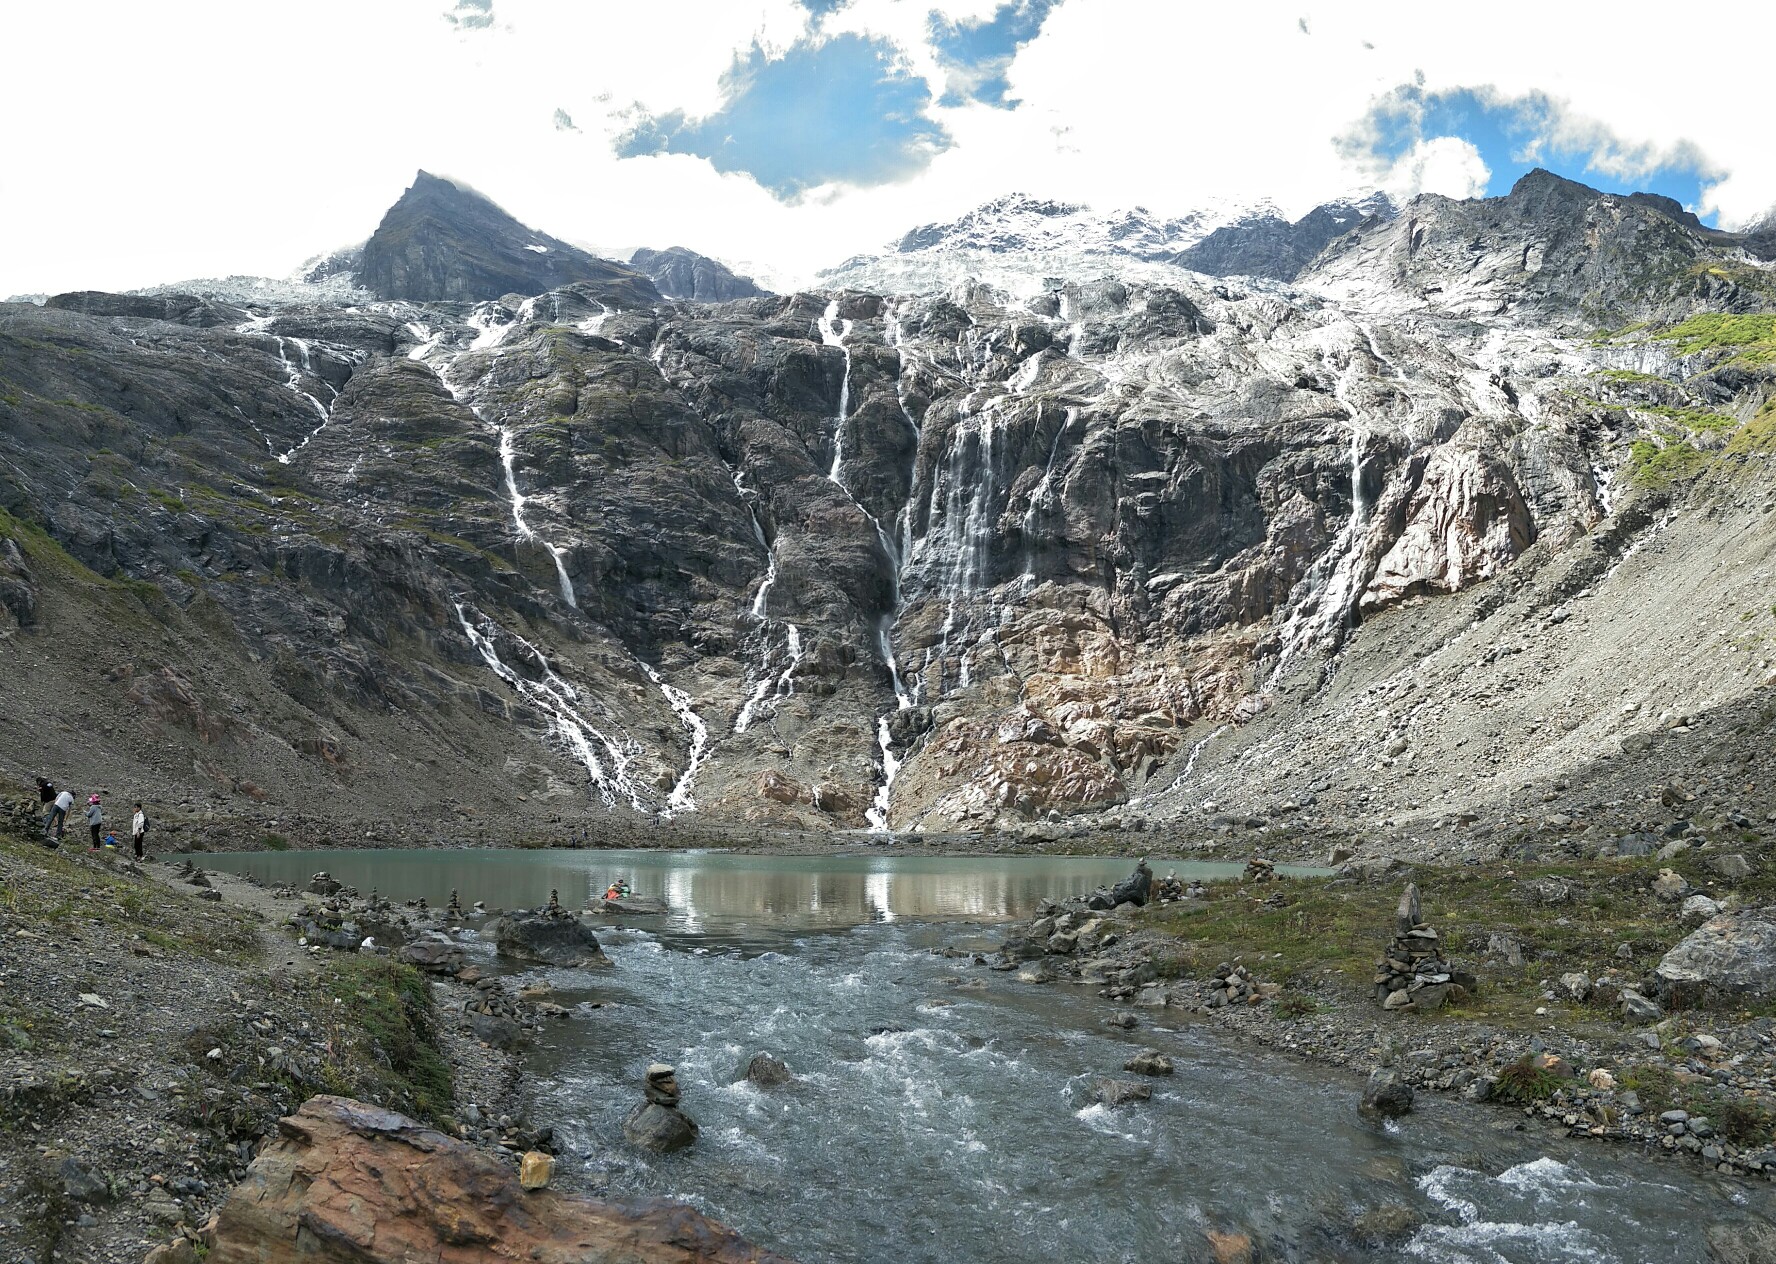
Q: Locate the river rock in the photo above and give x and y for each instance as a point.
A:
(1149, 1062)
(535, 1169)
(1639, 1009)
(1114, 1092)
(433, 953)
(1386, 1095)
(767, 1072)
(1753, 1242)
(342, 1182)
(1729, 954)
(661, 1129)
(555, 940)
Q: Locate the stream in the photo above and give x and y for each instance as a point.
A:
(942, 1111)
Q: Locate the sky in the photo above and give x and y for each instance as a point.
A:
(149, 143)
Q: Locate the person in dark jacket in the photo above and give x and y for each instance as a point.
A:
(46, 796)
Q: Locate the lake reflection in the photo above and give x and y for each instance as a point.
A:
(719, 892)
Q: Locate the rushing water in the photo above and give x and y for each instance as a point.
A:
(942, 1110)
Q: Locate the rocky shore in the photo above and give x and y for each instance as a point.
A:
(158, 1021)
(1670, 1047)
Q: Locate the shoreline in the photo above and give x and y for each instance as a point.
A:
(1312, 1019)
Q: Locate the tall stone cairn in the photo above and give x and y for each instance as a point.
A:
(1413, 974)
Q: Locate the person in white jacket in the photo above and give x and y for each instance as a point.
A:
(58, 818)
(139, 832)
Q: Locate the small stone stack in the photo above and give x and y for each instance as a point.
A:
(1234, 985)
(324, 883)
(658, 1124)
(1260, 870)
(1413, 974)
(454, 910)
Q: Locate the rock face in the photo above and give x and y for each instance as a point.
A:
(558, 939)
(442, 241)
(346, 1183)
(1069, 552)
(1267, 245)
(1386, 1095)
(1732, 954)
(681, 273)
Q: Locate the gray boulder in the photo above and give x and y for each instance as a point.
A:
(1386, 1095)
(434, 954)
(551, 939)
(1114, 1092)
(661, 1129)
(767, 1072)
(1729, 954)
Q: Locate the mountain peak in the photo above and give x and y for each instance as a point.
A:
(442, 240)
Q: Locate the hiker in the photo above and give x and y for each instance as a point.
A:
(57, 825)
(95, 819)
(46, 796)
(139, 832)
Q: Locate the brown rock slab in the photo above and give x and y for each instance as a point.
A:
(348, 1183)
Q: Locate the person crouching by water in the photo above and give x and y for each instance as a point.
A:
(57, 824)
(95, 819)
(139, 833)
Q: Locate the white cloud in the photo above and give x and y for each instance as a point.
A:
(210, 136)
(1442, 164)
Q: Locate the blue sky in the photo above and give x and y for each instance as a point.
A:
(843, 109)
(1515, 136)
(786, 135)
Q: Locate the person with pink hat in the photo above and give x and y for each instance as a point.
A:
(95, 819)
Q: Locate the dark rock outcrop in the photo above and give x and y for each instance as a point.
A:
(685, 274)
(1268, 245)
(442, 241)
(552, 939)
(347, 1183)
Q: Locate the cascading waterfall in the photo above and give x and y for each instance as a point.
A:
(507, 462)
(833, 333)
(1319, 613)
(558, 700)
(680, 799)
(1040, 493)
(594, 324)
(490, 336)
(295, 371)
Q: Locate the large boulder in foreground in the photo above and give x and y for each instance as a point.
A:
(1733, 954)
(348, 1183)
(551, 938)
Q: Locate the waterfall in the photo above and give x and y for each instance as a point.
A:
(507, 462)
(480, 318)
(295, 373)
(593, 324)
(1040, 493)
(680, 799)
(833, 333)
(1340, 574)
(559, 701)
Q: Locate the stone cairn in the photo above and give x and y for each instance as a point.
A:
(1413, 974)
(657, 1123)
(1260, 870)
(455, 910)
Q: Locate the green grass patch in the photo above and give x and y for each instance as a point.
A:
(384, 1030)
(1630, 377)
(1655, 464)
(1752, 335)
(1691, 418)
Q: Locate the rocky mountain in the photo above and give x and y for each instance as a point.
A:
(443, 242)
(1413, 539)
(1267, 245)
(681, 273)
